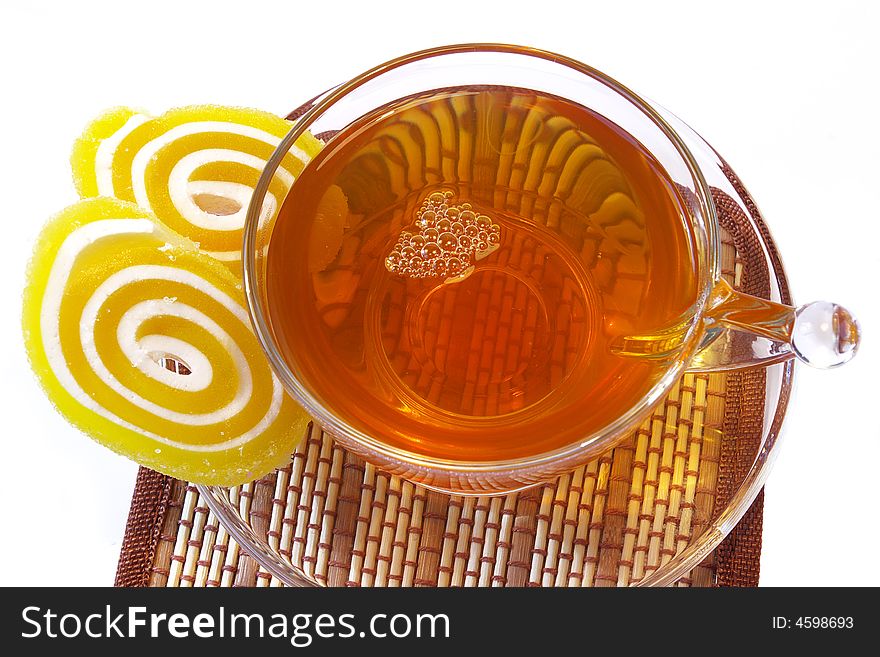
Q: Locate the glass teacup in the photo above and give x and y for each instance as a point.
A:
(719, 329)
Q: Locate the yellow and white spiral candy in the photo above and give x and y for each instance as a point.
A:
(195, 168)
(112, 297)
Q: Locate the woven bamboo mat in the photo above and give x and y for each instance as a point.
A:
(608, 523)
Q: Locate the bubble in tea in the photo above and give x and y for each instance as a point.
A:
(443, 254)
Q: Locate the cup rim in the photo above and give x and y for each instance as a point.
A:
(415, 462)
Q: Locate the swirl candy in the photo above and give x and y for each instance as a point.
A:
(195, 168)
(112, 298)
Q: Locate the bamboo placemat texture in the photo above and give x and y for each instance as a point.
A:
(608, 523)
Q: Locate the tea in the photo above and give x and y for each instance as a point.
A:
(449, 273)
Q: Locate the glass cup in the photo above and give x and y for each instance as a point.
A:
(724, 330)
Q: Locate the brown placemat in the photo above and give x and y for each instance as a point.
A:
(608, 523)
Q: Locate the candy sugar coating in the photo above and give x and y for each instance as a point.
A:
(112, 298)
(91, 158)
(195, 168)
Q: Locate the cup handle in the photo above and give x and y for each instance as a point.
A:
(741, 331)
(745, 331)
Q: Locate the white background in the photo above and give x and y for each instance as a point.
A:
(786, 91)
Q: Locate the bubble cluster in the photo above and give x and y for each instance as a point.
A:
(446, 239)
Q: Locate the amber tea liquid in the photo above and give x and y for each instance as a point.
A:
(448, 275)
